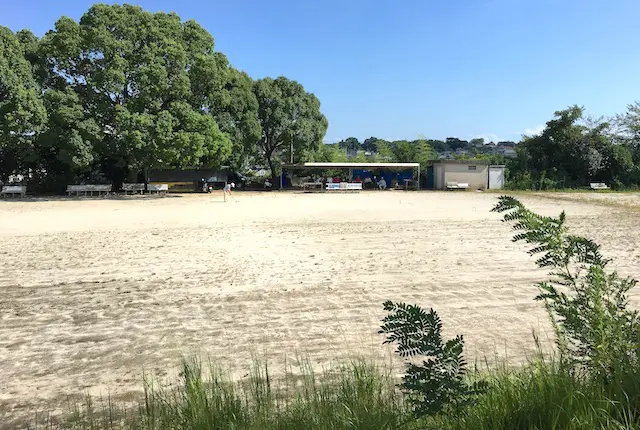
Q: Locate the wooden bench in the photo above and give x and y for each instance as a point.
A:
(133, 188)
(158, 188)
(598, 186)
(308, 187)
(457, 186)
(13, 191)
(88, 190)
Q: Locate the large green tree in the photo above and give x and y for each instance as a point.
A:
(289, 117)
(236, 114)
(22, 112)
(149, 80)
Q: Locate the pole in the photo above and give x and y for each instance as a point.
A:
(291, 146)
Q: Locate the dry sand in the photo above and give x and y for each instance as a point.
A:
(94, 292)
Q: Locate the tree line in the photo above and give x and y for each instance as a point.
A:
(571, 151)
(124, 90)
(574, 149)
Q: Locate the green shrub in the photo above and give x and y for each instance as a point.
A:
(439, 383)
(596, 332)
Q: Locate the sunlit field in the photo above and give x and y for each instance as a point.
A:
(95, 292)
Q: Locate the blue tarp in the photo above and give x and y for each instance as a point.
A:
(388, 176)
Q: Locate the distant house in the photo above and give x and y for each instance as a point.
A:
(446, 155)
(510, 152)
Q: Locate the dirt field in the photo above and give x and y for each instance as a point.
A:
(94, 292)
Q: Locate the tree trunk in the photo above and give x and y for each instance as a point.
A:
(275, 180)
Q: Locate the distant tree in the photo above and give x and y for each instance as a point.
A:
(370, 144)
(384, 152)
(628, 130)
(351, 144)
(424, 154)
(569, 152)
(455, 143)
(22, 112)
(360, 158)
(438, 145)
(288, 115)
(477, 142)
(403, 151)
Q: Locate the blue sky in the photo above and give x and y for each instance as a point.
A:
(404, 69)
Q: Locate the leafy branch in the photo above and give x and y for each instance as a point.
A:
(588, 306)
(438, 383)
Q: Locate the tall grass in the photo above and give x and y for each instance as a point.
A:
(544, 395)
(352, 395)
(359, 395)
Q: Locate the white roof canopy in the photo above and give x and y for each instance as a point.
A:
(353, 165)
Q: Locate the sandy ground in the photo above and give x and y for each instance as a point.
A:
(94, 292)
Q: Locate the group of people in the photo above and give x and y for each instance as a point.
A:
(370, 182)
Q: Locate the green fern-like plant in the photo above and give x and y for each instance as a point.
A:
(588, 306)
(438, 383)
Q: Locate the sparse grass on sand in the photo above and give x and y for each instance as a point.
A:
(359, 395)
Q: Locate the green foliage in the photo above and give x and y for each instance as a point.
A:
(384, 152)
(437, 384)
(351, 396)
(235, 114)
(350, 144)
(573, 151)
(288, 115)
(596, 331)
(22, 113)
(121, 91)
(544, 395)
(148, 79)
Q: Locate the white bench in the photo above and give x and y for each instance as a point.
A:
(598, 186)
(158, 188)
(13, 190)
(457, 186)
(133, 188)
(88, 190)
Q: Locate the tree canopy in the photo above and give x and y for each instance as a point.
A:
(22, 111)
(118, 92)
(289, 117)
